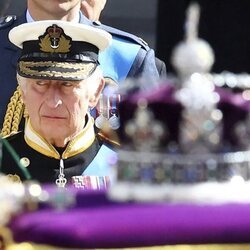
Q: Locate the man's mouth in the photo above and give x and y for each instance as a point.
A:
(55, 117)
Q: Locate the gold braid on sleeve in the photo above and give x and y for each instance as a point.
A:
(14, 114)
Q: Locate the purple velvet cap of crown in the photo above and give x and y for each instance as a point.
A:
(162, 102)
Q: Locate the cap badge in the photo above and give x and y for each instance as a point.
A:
(54, 40)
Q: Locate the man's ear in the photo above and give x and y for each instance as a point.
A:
(95, 98)
(22, 95)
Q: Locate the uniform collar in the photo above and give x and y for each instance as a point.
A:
(79, 144)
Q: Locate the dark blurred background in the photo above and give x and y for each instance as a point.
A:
(224, 24)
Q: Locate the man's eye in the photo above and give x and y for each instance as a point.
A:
(67, 84)
(41, 83)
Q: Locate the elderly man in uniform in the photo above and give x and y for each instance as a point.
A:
(60, 79)
(128, 56)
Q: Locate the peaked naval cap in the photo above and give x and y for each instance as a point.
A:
(58, 50)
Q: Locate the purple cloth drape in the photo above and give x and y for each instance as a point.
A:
(97, 222)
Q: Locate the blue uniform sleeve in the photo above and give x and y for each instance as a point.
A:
(145, 66)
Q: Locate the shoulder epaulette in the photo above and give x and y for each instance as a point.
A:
(109, 139)
(122, 34)
(6, 21)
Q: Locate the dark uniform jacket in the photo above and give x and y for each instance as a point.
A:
(42, 160)
(128, 56)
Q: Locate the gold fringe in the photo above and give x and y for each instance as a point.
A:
(14, 114)
(31, 246)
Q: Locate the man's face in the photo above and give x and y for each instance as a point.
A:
(57, 109)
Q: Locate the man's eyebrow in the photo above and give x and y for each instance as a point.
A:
(41, 80)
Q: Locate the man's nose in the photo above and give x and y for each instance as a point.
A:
(54, 98)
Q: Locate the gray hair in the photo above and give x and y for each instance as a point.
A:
(21, 82)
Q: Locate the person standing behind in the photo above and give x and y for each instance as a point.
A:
(92, 9)
(128, 56)
(4, 4)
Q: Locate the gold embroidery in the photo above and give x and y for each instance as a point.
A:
(54, 40)
(82, 69)
(13, 114)
(63, 47)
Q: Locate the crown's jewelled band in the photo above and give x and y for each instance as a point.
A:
(144, 167)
